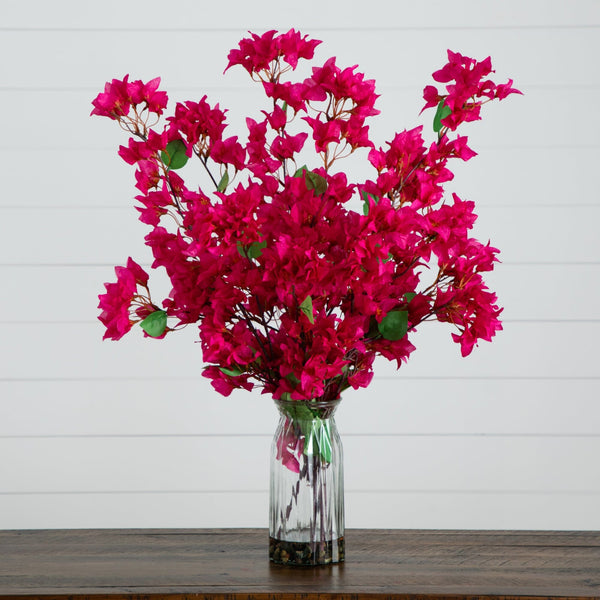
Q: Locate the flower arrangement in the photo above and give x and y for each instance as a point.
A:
(292, 286)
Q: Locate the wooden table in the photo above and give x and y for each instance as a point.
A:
(233, 564)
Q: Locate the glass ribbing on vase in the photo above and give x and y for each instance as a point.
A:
(306, 521)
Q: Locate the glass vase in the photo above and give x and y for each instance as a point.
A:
(306, 521)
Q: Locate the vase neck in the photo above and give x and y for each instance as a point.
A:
(307, 409)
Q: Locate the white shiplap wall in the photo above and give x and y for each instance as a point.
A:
(129, 434)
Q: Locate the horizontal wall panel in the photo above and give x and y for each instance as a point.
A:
(394, 510)
(62, 236)
(129, 434)
(142, 464)
(519, 121)
(168, 509)
(422, 406)
(138, 14)
(372, 463)
(570, 291)
(476, 464)
(442, 510)
(549, 234)
(570, 176)
(393, 406)
(502, 176)
(69, 237)
(523, 349)
(562, 55)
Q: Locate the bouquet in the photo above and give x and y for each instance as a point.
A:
(296, 275)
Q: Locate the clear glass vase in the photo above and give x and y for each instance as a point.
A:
(306, 521)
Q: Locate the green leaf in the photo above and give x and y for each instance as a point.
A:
(323, 437)
(300, 171)
(317, 437)
(292, 379)
(409, 296)
(155, 323)
(373, 327)
(316, 431)
(315, 182)
(174, 155)
(231, 372)
(365, 196)
(223, 183)
(307, 308)
(301, 414)
(254, 250)
(442, 112)
(394, 325)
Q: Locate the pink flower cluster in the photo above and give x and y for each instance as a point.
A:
(467, 89)
(291, 286)
(121, 95)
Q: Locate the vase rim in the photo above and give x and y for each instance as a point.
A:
(312, 403)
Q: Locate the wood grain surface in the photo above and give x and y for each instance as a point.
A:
(233, 564)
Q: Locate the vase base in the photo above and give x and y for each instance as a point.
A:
(307, 554)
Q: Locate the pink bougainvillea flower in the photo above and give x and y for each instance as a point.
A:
(140, 276)
(120, 95)
(287, 146)
(465, 90)
(199, 123)
(115, 101)
(324, 133)
(504, 89)
(290, 446)
(294, 46)
(293, 94)
(229, 151)
(115, 303)
(136, 151)
(148, 93)
(296, 273)
(257, 53)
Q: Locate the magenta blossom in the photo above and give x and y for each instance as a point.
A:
(121, 95)
(119, 297)
(297, 275)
